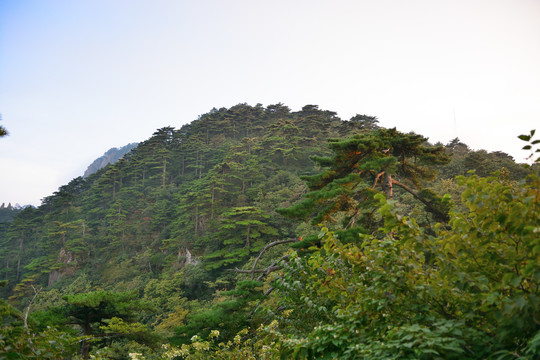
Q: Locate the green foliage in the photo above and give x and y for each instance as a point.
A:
(365, 122)
(228, 315)
(102, 315)
(18, 341)
(467, 292)
(3, 131)
(463, 160)
(241, 231)
(532, 145)
(7, 213)
(159, 230)
(169, 307)
(492, 252)
(360, 165)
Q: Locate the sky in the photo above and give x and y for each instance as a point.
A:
(80, 77)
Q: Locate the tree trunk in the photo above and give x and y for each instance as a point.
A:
(196, 163)
(196, 218)
(212, 203)
(183, 164)
(201, 165)
(114, 188)
(248, 242)
(163, 175)
(85, 345)
(21, 248)
(387, 185)
(7, 268)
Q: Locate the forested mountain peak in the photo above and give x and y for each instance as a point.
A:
(173, 193)
(179, 224)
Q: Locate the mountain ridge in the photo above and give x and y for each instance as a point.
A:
(182, 220)
(109, 157)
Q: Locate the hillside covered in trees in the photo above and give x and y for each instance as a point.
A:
(260, 233)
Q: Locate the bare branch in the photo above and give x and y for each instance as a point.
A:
(241, 271)
(377, 180)
(353, 219)
(279, 242)
(266, 293)
(273, 267)
(36, 292)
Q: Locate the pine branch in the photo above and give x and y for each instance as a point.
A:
(419, 198)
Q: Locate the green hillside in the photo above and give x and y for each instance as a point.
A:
(258, 231)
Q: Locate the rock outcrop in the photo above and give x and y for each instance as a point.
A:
(110, 157)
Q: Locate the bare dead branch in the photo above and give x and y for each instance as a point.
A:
(241, 271)
(353, 219)
(268, 246)
(266, 293)
(36, 292)
(273, 267)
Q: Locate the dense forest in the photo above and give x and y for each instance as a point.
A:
(261, 233)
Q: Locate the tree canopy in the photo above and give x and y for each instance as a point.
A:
(390, 247)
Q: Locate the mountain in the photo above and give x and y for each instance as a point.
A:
(110, 157)
(208, 189)
(187, 228)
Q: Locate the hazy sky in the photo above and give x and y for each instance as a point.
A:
(78, 77)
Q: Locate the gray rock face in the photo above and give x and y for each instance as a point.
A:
(110, 157)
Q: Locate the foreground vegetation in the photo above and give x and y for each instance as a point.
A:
(247, 235)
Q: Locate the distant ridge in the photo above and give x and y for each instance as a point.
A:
(110, 157)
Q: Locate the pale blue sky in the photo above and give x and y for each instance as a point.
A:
(78, 77)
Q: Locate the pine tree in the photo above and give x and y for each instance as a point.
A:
(3, 131)
(242, 231)
(364, 164)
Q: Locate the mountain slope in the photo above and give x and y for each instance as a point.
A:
(208, 189)
(110, 157)
(168, 221)
(171, 195)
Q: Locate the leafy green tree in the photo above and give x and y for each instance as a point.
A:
(491, 253)
(159, 148)
(21, 246)
(104, 315)
(20, 339)
(283, 141)
(468, 291)
(313, 122)
(167, 301)
(228, 315)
